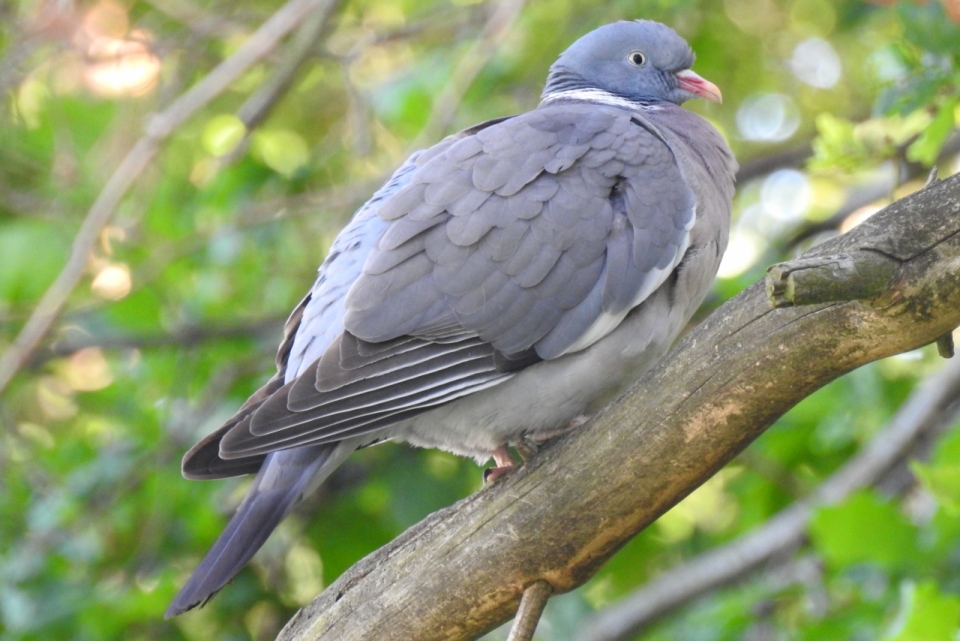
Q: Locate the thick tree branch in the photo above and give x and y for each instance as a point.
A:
(932, 406)
(158, 128)
(461, 571)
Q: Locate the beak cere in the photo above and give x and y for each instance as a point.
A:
(689, 81)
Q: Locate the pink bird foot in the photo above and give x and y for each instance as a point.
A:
(505, 463)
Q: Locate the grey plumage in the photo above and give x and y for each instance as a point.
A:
(504, 281)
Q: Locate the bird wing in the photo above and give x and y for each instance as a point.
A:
(516, 241)
(530, 233)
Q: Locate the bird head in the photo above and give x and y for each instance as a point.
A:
(643, 61)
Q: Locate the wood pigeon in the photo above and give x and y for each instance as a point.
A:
(503, 284)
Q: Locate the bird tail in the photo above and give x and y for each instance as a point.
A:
(284, 478)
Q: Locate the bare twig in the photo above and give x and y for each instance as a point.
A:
(866, 195)
(198, 20)
(262, 42)
(534, 599)
(184, 337)
(471, 64)
(444, 19)
(256, 108)
(158, 128)
(769, 163)
(931, 406)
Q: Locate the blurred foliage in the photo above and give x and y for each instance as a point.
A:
(222, 235)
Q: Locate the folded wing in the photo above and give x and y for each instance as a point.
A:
(513, 242)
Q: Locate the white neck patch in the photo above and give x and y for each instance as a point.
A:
(598, 96)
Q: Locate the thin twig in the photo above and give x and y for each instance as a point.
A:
(198, 20)
(184, 337)
(865, 195)
(158, 128)
(262, 42)
(931, 406)
(445, 106)
(535, 598)
(768, 163)
(303, 43)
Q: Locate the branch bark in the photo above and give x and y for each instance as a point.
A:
(462, 571)
(932, 406)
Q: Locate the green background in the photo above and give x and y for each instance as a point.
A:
(181, 306)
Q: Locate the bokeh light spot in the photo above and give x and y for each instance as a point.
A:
(120, 67)
(113, 282)
(87, 370)
(768, 117)
(742, 251)
(816, 63)
(785, 194)
(282, 150)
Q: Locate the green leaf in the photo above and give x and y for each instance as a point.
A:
(222, 134)
(863, 529)
(927, 26)
(948, 448)
(836, 145)
(927, 147)
(282, 150)
(942, 481)
(32, 254)
(941, 476)
(925, 614)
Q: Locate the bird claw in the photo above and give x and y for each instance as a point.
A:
(505, 463)
(493, 474)
(527, 448)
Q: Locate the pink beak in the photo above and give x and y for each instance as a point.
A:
(689, 81)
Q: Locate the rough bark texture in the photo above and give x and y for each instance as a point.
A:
(462, 570)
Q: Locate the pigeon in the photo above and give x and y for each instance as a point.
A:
(501, 286)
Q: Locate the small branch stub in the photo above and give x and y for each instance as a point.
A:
(829, 279)
(945, 345)
(531, 607)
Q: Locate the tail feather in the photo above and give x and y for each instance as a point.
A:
(284, 478)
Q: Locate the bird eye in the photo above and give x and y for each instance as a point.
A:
(637, 58)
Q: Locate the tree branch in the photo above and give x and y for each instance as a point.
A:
(158, 128)
(867, 194)
(769, 163)
(534, 599)
(931, 406)
(461, 571)
(471, 64)
(258, 106)
(182, 337)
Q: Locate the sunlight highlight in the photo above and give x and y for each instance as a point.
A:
(113, 282)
